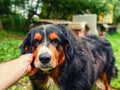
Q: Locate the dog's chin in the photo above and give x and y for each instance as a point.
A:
(44, 67)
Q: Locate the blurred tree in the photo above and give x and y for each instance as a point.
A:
(21, 12)
(32, 7)
(18, 13)
(116, 11)
(5, 7)
(62, 9)
(9, 16)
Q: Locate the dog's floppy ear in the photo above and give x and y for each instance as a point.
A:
(69, 39)
(26, 46)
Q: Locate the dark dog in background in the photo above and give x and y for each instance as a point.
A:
(66, 62)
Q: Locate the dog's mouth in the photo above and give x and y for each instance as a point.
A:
(45, 68)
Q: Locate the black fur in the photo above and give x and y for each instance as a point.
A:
(86, 59)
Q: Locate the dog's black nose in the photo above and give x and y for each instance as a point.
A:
(44, 58)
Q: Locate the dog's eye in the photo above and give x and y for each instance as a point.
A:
(55, 42)
(35, 42)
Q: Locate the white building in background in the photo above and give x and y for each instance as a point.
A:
(91, 20)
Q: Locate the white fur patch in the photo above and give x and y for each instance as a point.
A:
(51, 85)
(44, 49)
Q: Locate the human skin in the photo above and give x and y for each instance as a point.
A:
(13, 70)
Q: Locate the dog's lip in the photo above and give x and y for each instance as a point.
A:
(46, 68)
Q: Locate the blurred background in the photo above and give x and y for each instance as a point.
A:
(100, 17)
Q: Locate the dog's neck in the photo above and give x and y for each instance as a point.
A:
(51, 85)
(45, 81)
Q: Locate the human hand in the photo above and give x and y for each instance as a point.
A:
(16, 69)
(26, 60)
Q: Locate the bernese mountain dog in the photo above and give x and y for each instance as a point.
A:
(65, 62)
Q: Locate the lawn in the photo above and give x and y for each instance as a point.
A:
(9, 49)
(9, 45)
(115, 41)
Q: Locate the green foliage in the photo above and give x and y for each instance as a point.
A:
(116, 13)
(5, 7)
(114, 39)
(9, 49)
(9, 46)
(17, 15)
(62, 9)
(14, 22)
(23, 84)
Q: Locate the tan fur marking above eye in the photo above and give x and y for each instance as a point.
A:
(38, 36)
(53, 36)
(26, 48)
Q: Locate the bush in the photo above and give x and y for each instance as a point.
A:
(14, 22)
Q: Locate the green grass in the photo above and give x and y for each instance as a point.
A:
(9, 49)
(115, 41)
(9, 46)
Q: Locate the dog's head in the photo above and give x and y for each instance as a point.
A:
(50, 45)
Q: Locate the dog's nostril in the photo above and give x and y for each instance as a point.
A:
(44, 58)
